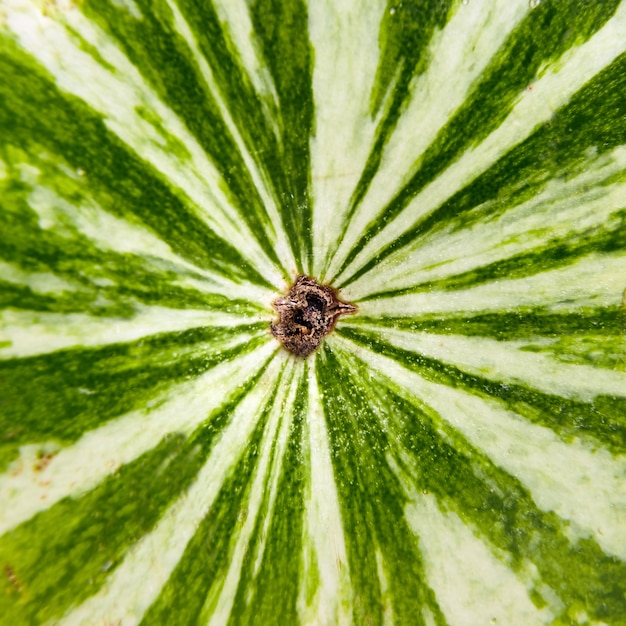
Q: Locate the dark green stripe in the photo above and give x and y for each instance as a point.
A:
(601, 422)
(406, 29)
(371, 498)
(599, 352)
(281, 27)
(19, 297)
(105, 282)
(256, 116)
(120, 302)
(164, 59)
(118, 180)
(522, 323)
(485, 497)
(556, 254)
(61, 395)
(203, 567)
(593, 337)
(64, 555)
(279, 577)
(594, 118)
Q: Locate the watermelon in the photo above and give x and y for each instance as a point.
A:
(449, 177)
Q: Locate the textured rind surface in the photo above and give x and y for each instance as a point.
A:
(453, 454)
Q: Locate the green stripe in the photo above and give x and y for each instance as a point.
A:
(371, 498)
(60, 396)
(405, 32)
(53, 555)
(106, 282)
(119, 180)
(438, 460)
(594, 119)
(201, 571)
(163, 461)
(255, 114)
(120, 301)
(510, 325)
(13, 296)
(276, 581)
(48, 554)
(605, 352)
(164, 59)
(601, 421)
(281, 27)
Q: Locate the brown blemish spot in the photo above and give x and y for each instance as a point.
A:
(43, 459)
(15, 583)
(306, 315)
(17, 470)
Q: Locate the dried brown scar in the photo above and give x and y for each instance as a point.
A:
(306, 315)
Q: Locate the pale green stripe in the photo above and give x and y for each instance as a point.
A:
(59, 396)
(133, 111)
(30, 333)
(566, 211)
(125, 596)
(600, 422)
(559, 475)
(64, 554)
(508, 362)
(274, 235)
(258, 115)
(424, 474)
(272, 565)
(237, 24)
(344, 73)
(594, 281)
(593, 324)
(56, 559)
(326, 589)
(61, 201)
(124, 185)
(569, 571)
(558, 252)
(406, 33)
(550, 92)
(197, 581)
(251, 541)
(63, 253)
(281, 33)
(43, 283)
(386, 570)
(233, 585)
(472, 584)
(26, 490)
(460, 52)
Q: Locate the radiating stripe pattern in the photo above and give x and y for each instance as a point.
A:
(455, 453)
